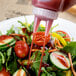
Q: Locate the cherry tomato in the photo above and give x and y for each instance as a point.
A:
(4, 72)
(39, 38)
(21, 49)
(66, 35)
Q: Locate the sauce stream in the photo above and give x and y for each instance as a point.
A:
(36, 25)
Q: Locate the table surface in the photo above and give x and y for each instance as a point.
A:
(15, 8)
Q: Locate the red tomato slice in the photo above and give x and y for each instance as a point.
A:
(21, 49)
(66, 35)
(4, 72)
(39, 38)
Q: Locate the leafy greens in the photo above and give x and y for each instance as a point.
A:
(70, 48)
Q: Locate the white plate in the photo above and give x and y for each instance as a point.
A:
(64, 25)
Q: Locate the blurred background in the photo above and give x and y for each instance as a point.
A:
(15, 8)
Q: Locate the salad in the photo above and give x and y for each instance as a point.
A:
(59, 56)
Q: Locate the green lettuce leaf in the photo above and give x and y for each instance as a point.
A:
(37, 57)
(70, 48)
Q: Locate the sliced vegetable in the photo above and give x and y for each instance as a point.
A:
(60, 38)
(7, 46)
(53, 50)
(5, 40)
(20, 72)
(60, 60)
(57, 43)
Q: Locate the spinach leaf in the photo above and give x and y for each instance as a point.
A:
(73, 58)
(36, 63)
(60, 73)
(2, 60)
(1, 66)
(18, 38)
(74, 64)
(12, 63)
(37, 57)
(10, 31)
(48, 73)
(9, 60)
(45, 58)
(28, 38)
(9, 52)
(44, 70)
(51, 68)
(43, 74)
(33, 56)
(70, 48)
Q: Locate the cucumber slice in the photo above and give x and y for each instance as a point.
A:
(5, 47)
(57, 63)
(6, 41)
